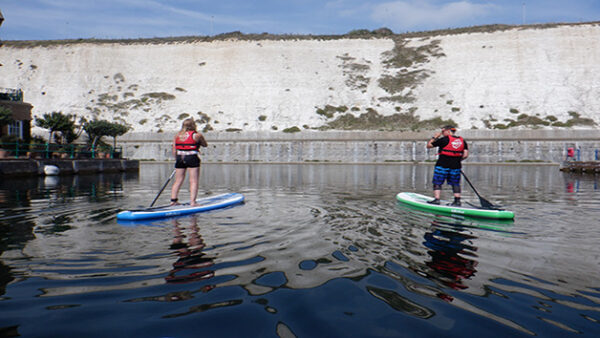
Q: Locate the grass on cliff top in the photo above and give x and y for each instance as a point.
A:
(355, 34)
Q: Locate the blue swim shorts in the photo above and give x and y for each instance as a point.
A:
(441, 174)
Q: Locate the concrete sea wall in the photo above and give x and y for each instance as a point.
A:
(31, 167)
(485, 146)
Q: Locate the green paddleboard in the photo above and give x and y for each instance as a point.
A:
(420, 201)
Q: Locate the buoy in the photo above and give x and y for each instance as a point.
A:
(51, 170)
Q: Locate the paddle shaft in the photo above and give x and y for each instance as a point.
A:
(163, 187)
(484, 203)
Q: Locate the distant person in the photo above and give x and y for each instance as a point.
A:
(186, 144)
(452, 150)
(570, 154)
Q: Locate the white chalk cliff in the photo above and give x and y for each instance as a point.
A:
(479, 80)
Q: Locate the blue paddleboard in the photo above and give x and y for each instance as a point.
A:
(202, 204)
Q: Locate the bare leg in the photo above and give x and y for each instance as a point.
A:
(194, 174)
(437, 194)
(179, 177)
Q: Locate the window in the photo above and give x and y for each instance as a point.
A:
(16, 128)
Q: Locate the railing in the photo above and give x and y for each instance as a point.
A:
(52, 150)
(8, 94)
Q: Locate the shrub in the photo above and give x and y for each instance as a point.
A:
(97, 129)
(522, 116)
(204, 118)
(328, 111)
(293, 129)
(57, 122)
(159, 96)
(6, 118)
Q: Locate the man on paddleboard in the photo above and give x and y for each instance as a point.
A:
(452, 150)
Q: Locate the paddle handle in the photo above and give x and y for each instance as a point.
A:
(472, 187)
(163, 187)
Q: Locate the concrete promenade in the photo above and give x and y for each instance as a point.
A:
(32, 167)
(485, 146)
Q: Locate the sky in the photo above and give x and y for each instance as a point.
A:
(132, 19)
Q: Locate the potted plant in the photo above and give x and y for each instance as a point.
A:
(7, 145)
(3, 152)
(37, 147)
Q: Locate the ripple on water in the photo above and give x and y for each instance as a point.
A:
(314, 250)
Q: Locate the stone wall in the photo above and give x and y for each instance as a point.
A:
(370, 147)
(31, 167)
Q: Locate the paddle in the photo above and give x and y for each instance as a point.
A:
(484, 203)
(163, 187)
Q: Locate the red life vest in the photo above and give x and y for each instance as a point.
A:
(188, 144)
(454, 148)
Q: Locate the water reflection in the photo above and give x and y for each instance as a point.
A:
(192, 264)
(447, 251)
(576, 182)
(34, 207)
(314, 247)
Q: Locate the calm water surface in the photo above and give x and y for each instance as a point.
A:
(316, 251)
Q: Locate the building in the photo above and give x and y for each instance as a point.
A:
(12, 99)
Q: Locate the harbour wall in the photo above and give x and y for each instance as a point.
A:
(485, 146)
(33, 167)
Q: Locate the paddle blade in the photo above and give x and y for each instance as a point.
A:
(487, 204)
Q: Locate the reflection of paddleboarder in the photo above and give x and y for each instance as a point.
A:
(190, 255)
(570, 187)
(448, 249)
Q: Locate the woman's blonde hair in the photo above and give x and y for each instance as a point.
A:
(188, 125)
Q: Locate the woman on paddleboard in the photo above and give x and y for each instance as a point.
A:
(186, 144)
(452, 150)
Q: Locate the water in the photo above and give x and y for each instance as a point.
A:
(316, 251)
